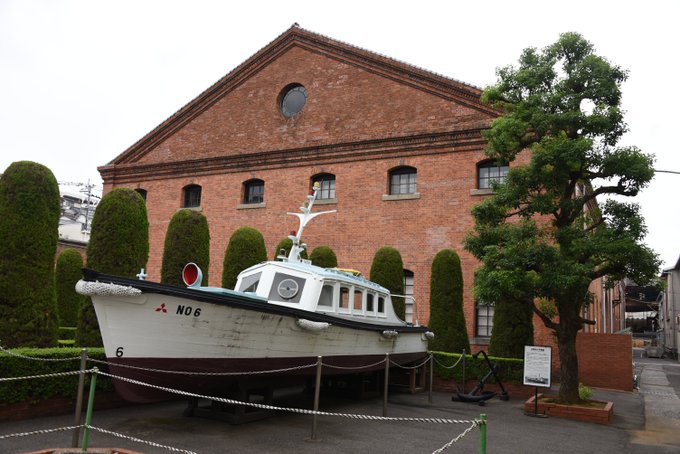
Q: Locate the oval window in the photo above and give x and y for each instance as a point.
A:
(293, 100)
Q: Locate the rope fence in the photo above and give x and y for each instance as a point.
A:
(430, 359)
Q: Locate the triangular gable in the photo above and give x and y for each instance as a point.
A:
(399, 72)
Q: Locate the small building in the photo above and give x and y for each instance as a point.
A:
(669, 310)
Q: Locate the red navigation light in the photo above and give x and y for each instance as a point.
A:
(293, 233)
(192, 275)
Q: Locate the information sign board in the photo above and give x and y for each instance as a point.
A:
(537, 363)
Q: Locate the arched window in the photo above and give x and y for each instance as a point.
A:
(141, 192)
(253, 192)
(408, 292)
(490, 171)
(327, 183)
(192, 196)
(484, 319)
(403, 180)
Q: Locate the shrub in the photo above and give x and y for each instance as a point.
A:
(34, 391)
(246, 248)
(119, 245)
(29, 222)
(387, 270)
(187, 240)
(69, 266)
(447, 319)
(513, 328)
(324, 257)
(286, 244)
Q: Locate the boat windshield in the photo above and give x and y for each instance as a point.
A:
(249, 283)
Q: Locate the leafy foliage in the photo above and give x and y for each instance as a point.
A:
(324, 257)
(513, 328)
(34, 391)
(69, 272)
(245, 249)
(119, 245)
(187, 240)
(387, 270)
(542, 235)
(447, 319)
(29, 222)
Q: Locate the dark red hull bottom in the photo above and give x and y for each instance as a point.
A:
(231, 372)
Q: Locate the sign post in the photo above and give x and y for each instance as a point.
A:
(537, 368)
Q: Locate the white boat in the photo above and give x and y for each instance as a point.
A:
(282, 315)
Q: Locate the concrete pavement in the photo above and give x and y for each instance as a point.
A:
(644, 422)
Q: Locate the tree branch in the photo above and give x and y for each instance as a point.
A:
(546, 320)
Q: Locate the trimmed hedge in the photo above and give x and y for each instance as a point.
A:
(245, 249)
(510, 370)
(39, 389)
(324, 257)
(387, 270)
(513, 328)
(447, 319)
(119, 245)
(29, 223)
(69, 272)
(187, 240)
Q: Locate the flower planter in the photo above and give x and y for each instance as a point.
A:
(599, 415)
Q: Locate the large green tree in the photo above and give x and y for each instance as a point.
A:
(69, 272)
(119, 245)
(187, 240)
(29, 223)
(447, 319)
(245, 249)
(551, 228)
(387, 269)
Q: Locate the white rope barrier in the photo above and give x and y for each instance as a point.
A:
(445, 366)
(39, 432)
(54, 360)
(217, 374)
(456, 439)
(367, 366)
(139, 440)
(55, 374)
(417, 366)
(290, 409)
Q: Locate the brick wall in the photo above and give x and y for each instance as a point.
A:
(604, 360)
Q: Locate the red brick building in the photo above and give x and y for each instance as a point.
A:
(398, 150)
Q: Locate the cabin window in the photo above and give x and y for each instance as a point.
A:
(344, 299)
(286, 288)
(370, 308)
(249, 283)
(358, 300)
(381, 304)
(326, 296)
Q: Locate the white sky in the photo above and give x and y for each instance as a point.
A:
(81, 81)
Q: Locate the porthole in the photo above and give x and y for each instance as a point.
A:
(293, 99)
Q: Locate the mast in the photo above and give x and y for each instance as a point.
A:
(304, 217)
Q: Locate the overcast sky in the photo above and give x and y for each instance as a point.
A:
(81, 81)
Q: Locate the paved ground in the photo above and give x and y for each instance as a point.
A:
(644, 422)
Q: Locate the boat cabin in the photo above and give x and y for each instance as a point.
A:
(323, 290)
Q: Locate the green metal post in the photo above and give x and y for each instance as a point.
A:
(79, 398)
(482, 434)
(90, 404)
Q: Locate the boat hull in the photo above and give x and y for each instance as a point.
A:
(160, 330)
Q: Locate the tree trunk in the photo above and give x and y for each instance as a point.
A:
(567, 330)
